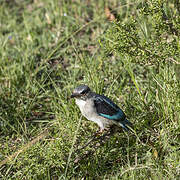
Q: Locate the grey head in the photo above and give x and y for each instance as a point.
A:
(81, 92)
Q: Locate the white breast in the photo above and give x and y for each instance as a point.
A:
(81, 104)
(87, 109)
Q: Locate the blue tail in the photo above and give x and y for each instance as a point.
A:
(125, 124)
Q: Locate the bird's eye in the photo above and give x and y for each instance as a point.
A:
(83, 92)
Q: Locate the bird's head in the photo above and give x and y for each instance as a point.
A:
(81, 92)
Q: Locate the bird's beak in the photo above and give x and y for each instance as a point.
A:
(75, 95)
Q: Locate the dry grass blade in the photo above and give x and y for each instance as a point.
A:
(28, 145)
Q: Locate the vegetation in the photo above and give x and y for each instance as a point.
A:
(48, 47)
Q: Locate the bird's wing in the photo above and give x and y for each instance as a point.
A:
(106, 108)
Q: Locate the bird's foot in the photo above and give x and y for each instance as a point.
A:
(98, 133)
(101, 131)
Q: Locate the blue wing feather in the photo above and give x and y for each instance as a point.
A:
(106, 108)
(117, 116)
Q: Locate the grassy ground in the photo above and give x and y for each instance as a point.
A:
(47, 48)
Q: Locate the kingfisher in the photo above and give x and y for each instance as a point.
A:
(99, 109)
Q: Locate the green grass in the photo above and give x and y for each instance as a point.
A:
(47, 48)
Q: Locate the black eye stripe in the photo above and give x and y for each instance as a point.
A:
(83, 92)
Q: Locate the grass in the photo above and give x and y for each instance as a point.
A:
(47, 48)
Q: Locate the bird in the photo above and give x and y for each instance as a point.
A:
(99, 109)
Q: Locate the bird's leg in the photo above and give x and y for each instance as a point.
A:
(103, 131)
(99, 132)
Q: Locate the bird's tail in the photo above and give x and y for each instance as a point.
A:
(127, 125)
